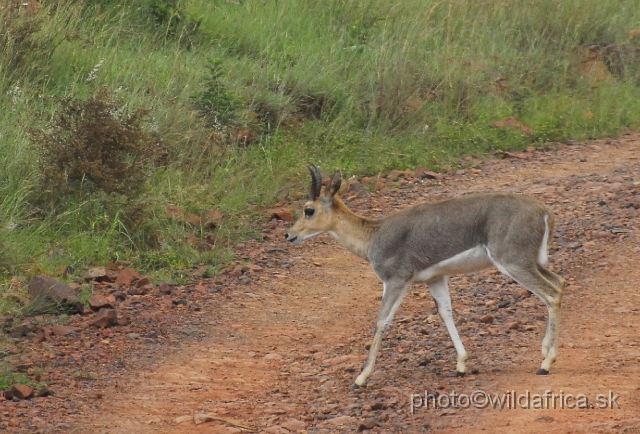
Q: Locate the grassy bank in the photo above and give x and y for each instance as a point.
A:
(241, 94)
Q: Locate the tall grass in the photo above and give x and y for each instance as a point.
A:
(365, 85)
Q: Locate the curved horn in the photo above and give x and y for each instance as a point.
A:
(316, 182)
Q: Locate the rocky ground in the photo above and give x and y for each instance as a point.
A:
(274, 343)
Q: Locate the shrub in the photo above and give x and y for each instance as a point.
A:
(95, 146)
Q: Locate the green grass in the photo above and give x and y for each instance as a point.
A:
(363, 85)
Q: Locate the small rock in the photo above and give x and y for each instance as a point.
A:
(182, 419)
(105, 318)
(487, 319)
(180, 301)
(119, 295)
(294, 425)
(544, 419)
(514, 326)
(21, 330)
(123, 320)
(98, 274)
(44, 392)
(47, 289)
(127, 276)
(142, 282)
(97, 302)
(504, 304)
(201, 418)
(355, 188)
(62, 330)
(407, 174)
(379, 405)
(237, 271)
(342, 421)
(272, 356)
(134, 291)
(283, 214)
(367, 424)
(422, 173)
(165, 288)
(20, 391)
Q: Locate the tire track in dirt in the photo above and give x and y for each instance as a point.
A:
(281, 353)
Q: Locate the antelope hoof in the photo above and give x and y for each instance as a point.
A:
(355, 387)
(460, 374)
(542, 372)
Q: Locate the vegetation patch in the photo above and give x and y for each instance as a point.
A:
(116, 111)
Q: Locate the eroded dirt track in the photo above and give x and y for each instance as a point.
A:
(280, 349)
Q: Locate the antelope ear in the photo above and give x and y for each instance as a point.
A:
(336, 182)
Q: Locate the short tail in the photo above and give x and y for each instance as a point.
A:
(543, 253)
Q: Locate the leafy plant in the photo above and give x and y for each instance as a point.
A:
(95, 146)
(216, 102)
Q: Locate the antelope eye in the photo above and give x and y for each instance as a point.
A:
(309, 212)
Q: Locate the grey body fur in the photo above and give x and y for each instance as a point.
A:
(431, 241)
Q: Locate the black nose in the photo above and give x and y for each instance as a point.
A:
(291, 240)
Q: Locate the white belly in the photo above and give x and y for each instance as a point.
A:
(466, 262)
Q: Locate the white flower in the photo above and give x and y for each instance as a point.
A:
(94, 72)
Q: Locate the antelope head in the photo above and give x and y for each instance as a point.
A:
(320, 210)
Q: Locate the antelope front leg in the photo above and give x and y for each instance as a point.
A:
(392, 297)
(439, 289)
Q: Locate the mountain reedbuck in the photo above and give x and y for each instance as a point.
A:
(431, 241)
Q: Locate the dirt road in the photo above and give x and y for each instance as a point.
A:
(278, 350)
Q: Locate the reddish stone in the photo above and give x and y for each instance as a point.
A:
(98, 274)
(355, 188)
(62, 330)
(422, 173)
(237, 271)
(283, 214)
(401, 174)
(124, 320)
(487, 319)
(165, 288)
(19, 391)
(105, 318)
(127, 276)
(98, 302)
(47, 288)
(142, 282)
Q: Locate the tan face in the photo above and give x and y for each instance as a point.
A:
(317, 216)
(314, 220)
